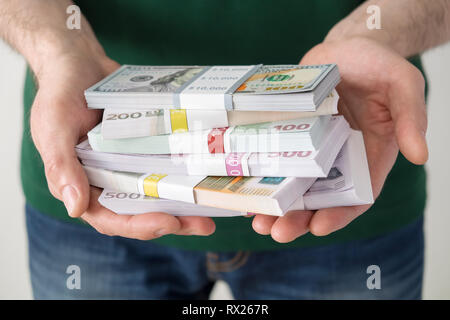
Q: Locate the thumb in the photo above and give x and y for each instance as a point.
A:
(408, 112)
(66, 178)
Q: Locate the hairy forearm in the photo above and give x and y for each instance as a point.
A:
(407, 26)
(37, 29)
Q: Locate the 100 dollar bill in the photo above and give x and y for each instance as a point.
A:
(169, 79)
(215, 87)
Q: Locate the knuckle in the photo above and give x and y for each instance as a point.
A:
(414, 74)
(145, 237)
(104, 231)
(53, 166)
(90, 217)
(134, 231)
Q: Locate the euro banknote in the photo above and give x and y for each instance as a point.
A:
(264, 195)
(273, 164)
(130, 123)
(347, 185)
(279, 136)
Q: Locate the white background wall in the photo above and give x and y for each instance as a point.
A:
(14, 275)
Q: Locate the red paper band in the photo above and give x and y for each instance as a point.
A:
(215, 140)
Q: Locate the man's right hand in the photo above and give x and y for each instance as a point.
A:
(59, 119)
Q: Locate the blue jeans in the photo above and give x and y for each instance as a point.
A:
(119, 268)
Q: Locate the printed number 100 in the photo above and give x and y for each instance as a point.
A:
(289, 127)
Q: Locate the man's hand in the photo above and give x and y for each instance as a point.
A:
(66, 62)
(382, 94)
(59, 119)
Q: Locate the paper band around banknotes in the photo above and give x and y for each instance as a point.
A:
(236, 164)
(232, 164)
(216, 140)
(227, 81)
(178, 120)
(212, 141)
(150, 184)
(169, 187)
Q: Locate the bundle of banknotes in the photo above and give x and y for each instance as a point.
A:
(223, 141)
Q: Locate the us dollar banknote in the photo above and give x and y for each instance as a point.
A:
(149, 79)
(284, 79)
(268, 79)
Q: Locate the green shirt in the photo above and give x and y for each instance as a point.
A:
(207, 32)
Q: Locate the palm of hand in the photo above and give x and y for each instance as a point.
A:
(382, 95)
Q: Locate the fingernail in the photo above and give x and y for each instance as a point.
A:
(70, 197)
(160, 232)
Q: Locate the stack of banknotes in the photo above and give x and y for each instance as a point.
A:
(223, 141)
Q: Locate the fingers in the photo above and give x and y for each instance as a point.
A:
(407, 100)
(56, 126)
(65, 176)
(297, 223)
(67, 181)
(59, 117)
(283, 229)
(326, 221)
(143, 226)
(291, 226)
(200, 226)
(262, 224)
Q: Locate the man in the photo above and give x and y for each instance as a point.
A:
(323, 254)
